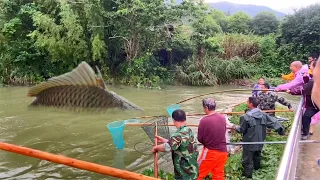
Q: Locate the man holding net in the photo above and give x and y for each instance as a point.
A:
(183, 146)
(211, 133)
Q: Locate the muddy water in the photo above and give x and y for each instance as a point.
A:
(83, 135)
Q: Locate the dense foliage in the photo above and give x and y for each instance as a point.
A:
(148, 42)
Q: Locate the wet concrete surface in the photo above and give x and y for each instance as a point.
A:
(308, 168)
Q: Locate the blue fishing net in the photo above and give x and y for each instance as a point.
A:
(116, 129)
(172, 108)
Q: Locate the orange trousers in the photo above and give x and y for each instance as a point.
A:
(212, 161)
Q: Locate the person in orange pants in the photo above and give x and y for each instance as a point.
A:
(212, 161)
(211, 133)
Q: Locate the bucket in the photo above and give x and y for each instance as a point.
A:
(116, 129)
(172, 108)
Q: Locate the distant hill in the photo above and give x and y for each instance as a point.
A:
(232, 8)
(252, 10)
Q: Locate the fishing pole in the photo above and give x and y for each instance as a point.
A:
(231, 90)
(228, 113)
(156, 153)
(150, 124)
(79, 164)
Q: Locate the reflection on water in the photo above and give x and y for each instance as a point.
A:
(83, 135)
(118, 160)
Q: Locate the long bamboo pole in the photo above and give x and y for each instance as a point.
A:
(156, 153)
(146, 124)
(228, 113)
(73, 162)
(231, 90)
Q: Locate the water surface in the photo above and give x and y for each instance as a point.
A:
(84, 135)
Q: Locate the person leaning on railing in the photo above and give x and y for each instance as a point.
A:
(289, 77)
(298, 69)
(310, 108)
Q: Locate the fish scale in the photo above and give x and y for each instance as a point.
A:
(78, 88)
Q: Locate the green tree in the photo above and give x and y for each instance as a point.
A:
(239, 23)
(62, 36)
(265, 23)
(220, 18)
(204, 28)
(300, 33)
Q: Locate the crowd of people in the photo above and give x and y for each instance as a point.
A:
(190, 164)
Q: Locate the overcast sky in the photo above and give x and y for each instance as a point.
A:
(275, 4)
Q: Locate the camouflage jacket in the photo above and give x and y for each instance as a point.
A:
(268, 101)
(184, 154)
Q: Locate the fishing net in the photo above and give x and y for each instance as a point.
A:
(116, 130)
(78, 88)
(172, 108)
(162, 126)
(163, 130)
(161, 123)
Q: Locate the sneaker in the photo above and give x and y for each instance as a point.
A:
(304, 137)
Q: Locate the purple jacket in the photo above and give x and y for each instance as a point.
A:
(297, 82)
(306, 92)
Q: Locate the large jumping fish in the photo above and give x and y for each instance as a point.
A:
(79, 88)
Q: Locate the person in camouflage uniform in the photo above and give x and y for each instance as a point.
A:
(253, 126)
(183, 146)
(268, 100)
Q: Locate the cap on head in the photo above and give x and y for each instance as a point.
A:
(210, 103)
(179, 115)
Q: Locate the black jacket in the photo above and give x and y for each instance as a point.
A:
(253, 126)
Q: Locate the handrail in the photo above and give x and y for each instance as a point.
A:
(288, 165)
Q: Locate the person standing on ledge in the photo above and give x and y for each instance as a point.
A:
(253, 126)
(183, 146)
(212, 134)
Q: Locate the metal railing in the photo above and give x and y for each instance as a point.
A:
(288, 165)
